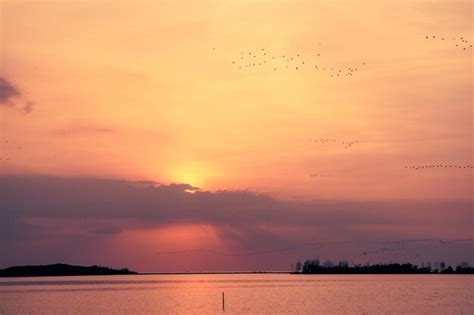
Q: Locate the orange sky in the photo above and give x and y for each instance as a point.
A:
(139, 93)
(146, 90)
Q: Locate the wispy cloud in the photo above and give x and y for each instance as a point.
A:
(80, 129)
(10, 96)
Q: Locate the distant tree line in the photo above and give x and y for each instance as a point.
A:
(314, 266)
(61, 270)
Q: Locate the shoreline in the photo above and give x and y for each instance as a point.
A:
(243, 273)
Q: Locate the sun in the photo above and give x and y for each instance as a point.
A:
(192, 173)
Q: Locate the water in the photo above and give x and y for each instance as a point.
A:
(270, 293)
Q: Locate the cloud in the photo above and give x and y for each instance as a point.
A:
(28, 108)
(85, 198)
(82, 129)
(88, 210)
(9, 92)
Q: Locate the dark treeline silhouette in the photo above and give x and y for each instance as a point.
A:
(61, 270)
(314, 266)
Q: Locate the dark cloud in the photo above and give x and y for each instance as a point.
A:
(107, 230)
(9, 93)
(87, 198)
(151, 203)
(96, 208)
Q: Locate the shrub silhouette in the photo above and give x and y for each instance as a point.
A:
(313, 266)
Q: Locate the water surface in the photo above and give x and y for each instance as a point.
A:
(254, 294)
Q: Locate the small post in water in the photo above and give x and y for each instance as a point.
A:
(223, 304)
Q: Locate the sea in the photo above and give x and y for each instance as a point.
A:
(239, 294)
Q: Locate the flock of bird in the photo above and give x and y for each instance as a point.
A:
(262, 58)
(402, 247)
(345, 143)
(460, 41)
(369, 247)
(12, 145)
(425, 167)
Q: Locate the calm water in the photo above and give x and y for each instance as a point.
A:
(272, 294)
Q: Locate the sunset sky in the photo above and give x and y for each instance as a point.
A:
(129, 136)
